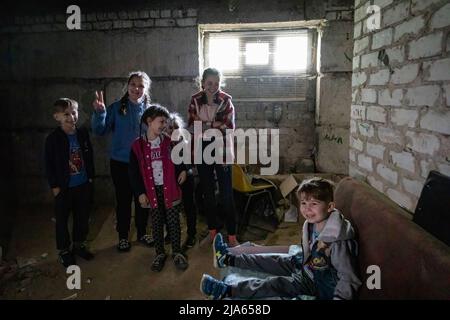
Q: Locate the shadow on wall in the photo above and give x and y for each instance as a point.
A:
(8, 197)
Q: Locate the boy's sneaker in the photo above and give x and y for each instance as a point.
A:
(147, 240)
(83, 252)
(180, 261)
(124, 245)
(189, 243)
(220, 250)
(213, 288)
(66, 258)
(158, 262)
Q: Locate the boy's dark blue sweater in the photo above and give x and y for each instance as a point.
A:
(57, 157)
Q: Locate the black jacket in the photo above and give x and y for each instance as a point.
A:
(57, 157)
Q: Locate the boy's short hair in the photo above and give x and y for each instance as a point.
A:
(319, 188)
(62, 104)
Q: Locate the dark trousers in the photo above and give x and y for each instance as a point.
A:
(187, 189)
(77, 201)
(124, 196)
(207, 181)
(168, 216)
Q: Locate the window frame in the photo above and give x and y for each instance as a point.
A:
(257, 35)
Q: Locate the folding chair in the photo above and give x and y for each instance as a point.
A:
(250, 188)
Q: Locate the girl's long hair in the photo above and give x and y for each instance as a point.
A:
(176, 122)
(211, 72)
(124, 100)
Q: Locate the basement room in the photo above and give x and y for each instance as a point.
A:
(227, 150)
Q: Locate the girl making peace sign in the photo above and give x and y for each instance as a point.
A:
(122, 119)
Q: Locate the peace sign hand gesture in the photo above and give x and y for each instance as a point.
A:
(99, 103)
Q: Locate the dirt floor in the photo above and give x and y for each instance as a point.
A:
(32, 270)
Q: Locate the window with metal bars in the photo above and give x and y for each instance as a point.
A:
(285, 52)
(262, 64)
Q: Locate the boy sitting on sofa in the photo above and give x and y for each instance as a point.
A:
(326, 269)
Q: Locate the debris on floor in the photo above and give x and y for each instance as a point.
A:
(72, 297)
(24, 262)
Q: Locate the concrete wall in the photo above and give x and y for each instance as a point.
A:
(42, 60)
(400, 116)
(334, 93)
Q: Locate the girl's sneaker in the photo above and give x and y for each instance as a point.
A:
(82, 251)
(147, 240)
(66, 258)
(158, 263)
(180, 261)
(124, 245)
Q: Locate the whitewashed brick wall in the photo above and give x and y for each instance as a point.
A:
(108, 20)
(400, 114)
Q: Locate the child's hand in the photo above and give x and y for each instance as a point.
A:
(143, 200)
(218, 125)
(99, 103)
(56, 191)
(202, 119)
(182, 177)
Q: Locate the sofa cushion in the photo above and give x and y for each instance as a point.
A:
(413, 263)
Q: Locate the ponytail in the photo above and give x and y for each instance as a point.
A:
(124, 104)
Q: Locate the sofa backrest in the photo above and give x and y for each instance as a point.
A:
(413, 263)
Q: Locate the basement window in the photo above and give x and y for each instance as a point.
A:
(259, 52)
(224, 53)
(291, 53)
(272, 62)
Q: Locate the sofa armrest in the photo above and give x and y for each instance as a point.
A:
(413, 263)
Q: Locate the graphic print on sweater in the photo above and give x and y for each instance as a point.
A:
(157, 165)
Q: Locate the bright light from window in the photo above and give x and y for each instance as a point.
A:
(224, 54)
(290, 53)
(257, 53)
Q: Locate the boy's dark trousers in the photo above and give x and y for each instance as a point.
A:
(124, 195)
(75, 200)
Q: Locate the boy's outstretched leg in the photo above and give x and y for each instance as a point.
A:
(214, 288)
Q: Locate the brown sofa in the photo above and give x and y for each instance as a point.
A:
(413, 263)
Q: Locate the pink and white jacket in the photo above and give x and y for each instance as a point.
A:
(141, 172)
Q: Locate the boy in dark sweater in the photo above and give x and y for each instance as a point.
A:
(70, 170)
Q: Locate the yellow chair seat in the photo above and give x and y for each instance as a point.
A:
(242, 182)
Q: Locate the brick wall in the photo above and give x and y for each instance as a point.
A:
(400, 115)
(106, 20)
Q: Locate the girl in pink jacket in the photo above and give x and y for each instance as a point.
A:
(155, 181)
